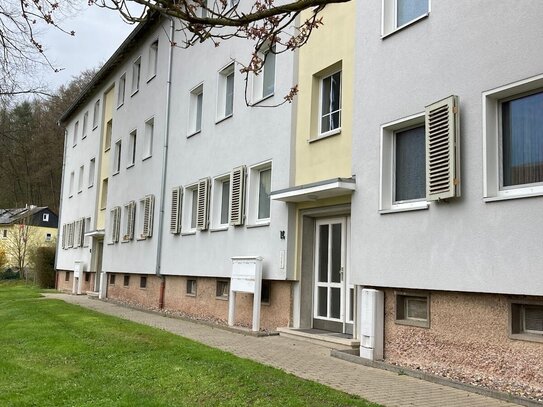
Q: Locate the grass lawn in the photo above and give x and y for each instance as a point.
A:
(57, 354)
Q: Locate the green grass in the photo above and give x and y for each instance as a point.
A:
(57, 354)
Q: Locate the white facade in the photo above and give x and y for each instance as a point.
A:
(484, 241)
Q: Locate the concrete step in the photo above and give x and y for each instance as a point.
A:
(329, 340)
(93, 294)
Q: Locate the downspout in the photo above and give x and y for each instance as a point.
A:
(164, 167)
(59, 227)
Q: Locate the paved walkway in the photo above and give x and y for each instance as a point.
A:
(303, 359)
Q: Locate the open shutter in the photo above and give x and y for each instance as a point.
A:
(176, 210)
(115, 224)
(202, 210)
(442, 149)
(237, 196)
(131, 220)
(148, 216)
(77, 237)
(64, 243)
(71, 235)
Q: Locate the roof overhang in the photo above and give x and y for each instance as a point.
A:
(330, 188)
(96, 233)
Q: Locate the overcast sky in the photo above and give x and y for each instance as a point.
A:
(98, 33)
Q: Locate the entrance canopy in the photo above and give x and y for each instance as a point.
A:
(316, 190)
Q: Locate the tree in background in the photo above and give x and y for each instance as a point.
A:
(20, 241)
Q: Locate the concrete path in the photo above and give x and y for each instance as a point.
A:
(306, 360)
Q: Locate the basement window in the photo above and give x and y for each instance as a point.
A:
(143, 282)
(265, 292)
(191, 287)
(67, 276)
(126, 281)
(223, 289)
(413, 309)
(112, 279)
(527, 321)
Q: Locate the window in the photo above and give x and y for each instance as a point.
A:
(117, 158)
(96, 114)
(190, 209)
(86, 239)
(221, 201)
(146, 216)
(67, 276)
(126, 280)
(148, 140)
(330, 108)
(122, 90)
(413, 309)
(265, 292)
(114, 224)
(398, 14)
(87, 276)
(264, 82)
(195, 113)
(143, 282)
(76, 130)
(153, 59)
(112, 279)
(45, 217)
(513, 140)
(80, 180)
(85, 124)
(527, 320)
(72, 180)
(223, 289)
(191, 287)
(132, 148)
(129, 217)
(5, 233)
(48, 237)
(92, 166)
(259, 194)
(103, 200)
(109, 134)
(136, 73)
(225, 102)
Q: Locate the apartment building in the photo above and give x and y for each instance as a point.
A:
(174, 177)
(447, 154)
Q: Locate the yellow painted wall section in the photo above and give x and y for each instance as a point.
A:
(36, 237)
(332, 43)
(104, 166)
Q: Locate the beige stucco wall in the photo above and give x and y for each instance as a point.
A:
(333, 42)
(205, 305)
(468, 340)
(105, 156)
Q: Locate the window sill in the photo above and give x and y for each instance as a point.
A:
(407, 207)
(121, 105)
(83, 137)
(134, 92)
(130, 165)
(194, 133)
(219, 229)
(516, 194)
(527, 337)
(222, 298)
(151, 78)
(222, 119)
(139, 239)
(188, 233)
(325, 135)
(402, 27)
(190, 295)
(146, 157)
(258, 225)
(125, 241)
(107, 149)
(262, 99)
(115, 173)
(90, 186)
(71, 196)
(80, 191)
(94, 127)
(74, 146)
(411, 322)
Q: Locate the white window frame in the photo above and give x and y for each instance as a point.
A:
(109, 134)
(85, 125)
(258, 80)
(492, 190)
(104, 194)
(153, 59)
(254, 189)
(216, 199)
(76, 130)
(386, 177)
(132, 148)
(122, 90)
(321, 80)
(136, 76)
(517, 327)
(148, 138)
(401, 304)
(86, 239)
(80, 179)
(117, 157)
(92, 170)
(224, 73)
(96, 115)
(390, 17)
(188, 209)
(45, 217)
(71, 186)
(194, 109)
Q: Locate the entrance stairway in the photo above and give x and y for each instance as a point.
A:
(331, 340)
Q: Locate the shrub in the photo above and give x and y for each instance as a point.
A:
(9, 274)
(44, 266)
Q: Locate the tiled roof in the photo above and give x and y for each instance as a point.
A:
(10, 216)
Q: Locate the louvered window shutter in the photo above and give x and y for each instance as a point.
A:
(131, 219)
(237, 196)
(64, 245)
(148, 216)
(442, 149)
(176, 210)
(202, 211)
(77, 237)
(82, 232)
(71, 235)
(114, 225)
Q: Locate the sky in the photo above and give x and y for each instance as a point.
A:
(98, 33)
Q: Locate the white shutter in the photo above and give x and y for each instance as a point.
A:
(202, 210)
(442, 149)
(131, 220)
(71, 235)
(115, 224)
(176, 210)
(237, 196)
(64, 242)
(148, 210)
(77, 233)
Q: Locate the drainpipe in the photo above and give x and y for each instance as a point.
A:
(164, 167)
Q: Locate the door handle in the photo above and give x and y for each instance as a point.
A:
(341, 273)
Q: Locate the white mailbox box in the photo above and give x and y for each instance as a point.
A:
(246, 278)
(78, 277)
(372, 319)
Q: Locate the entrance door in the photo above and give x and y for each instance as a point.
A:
(333, 295)
(98, 251)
